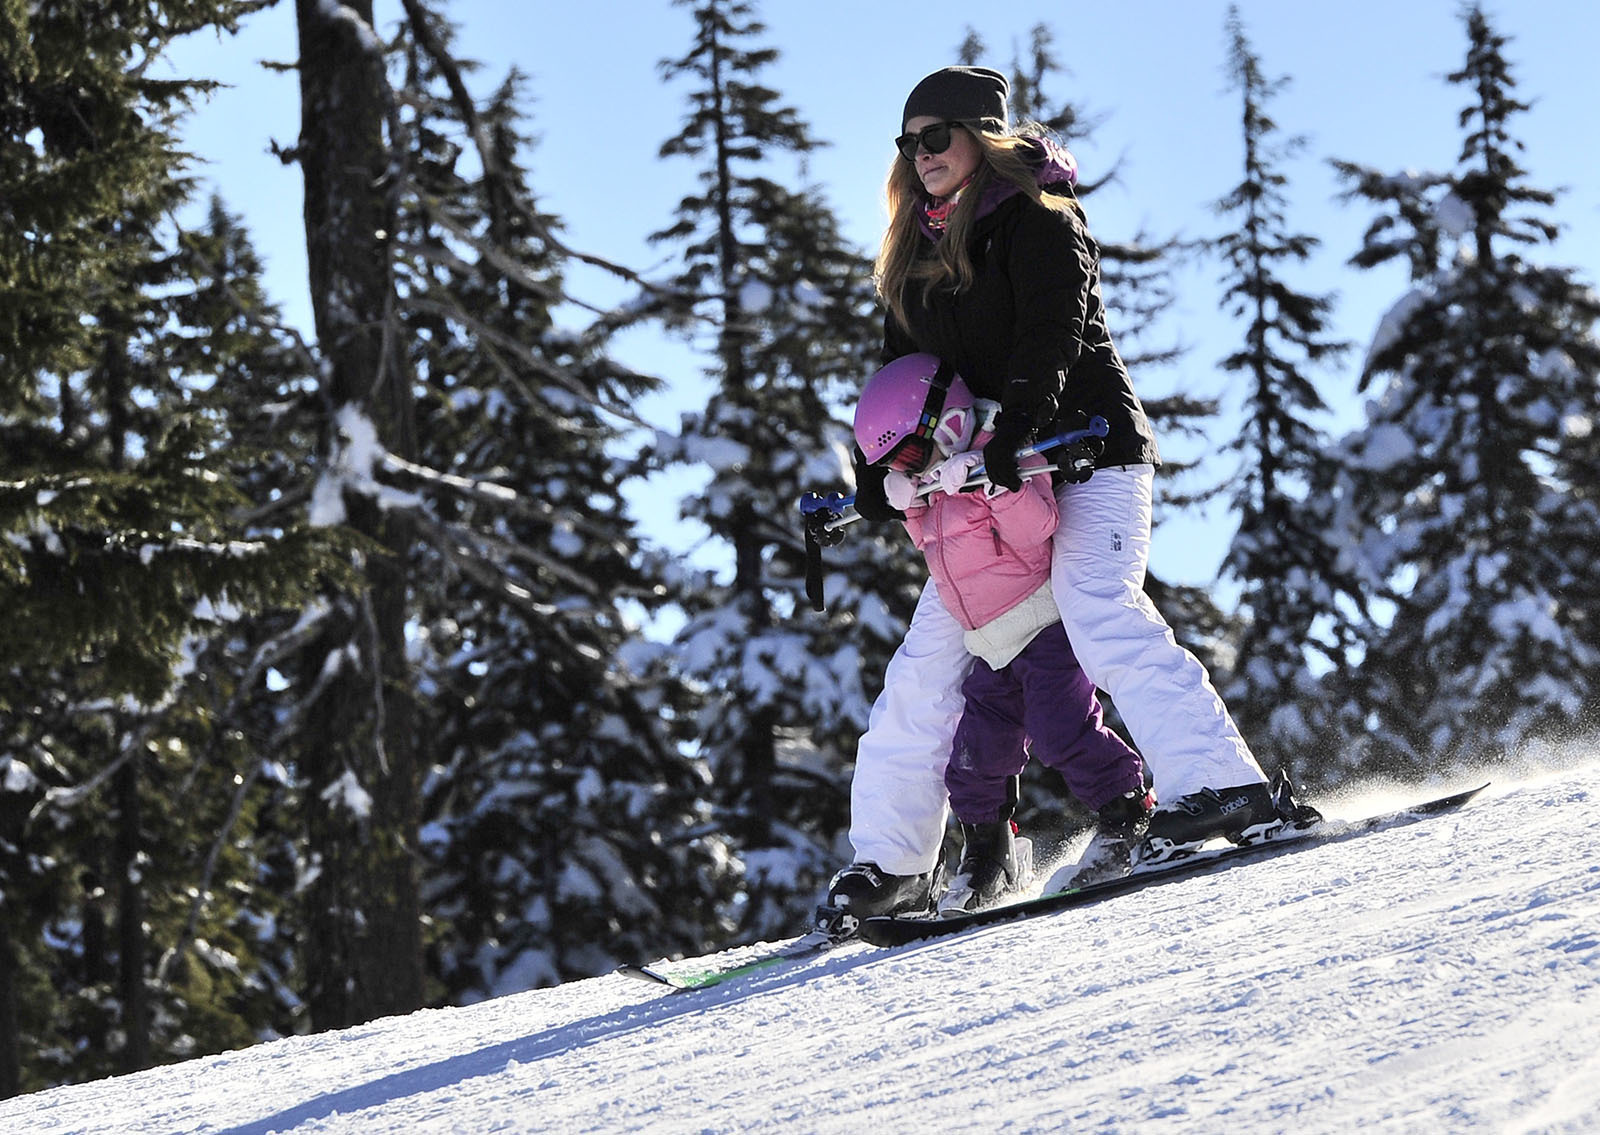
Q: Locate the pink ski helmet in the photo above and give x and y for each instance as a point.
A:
(901, 407)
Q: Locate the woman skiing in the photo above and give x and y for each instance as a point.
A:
(988, 553)
(988, 264)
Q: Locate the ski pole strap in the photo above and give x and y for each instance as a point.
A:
(822, 514)
(814, 572)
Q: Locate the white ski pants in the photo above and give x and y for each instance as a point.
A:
(1101, 553)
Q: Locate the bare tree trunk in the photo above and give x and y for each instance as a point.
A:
(363, 953)
(13, 817)
(133, 995)
(132, 992)
(10, 1026)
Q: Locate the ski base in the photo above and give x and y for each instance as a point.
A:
(898, 930)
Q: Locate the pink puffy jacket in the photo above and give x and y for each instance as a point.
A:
(987, 554)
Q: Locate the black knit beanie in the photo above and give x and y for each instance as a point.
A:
(960, 94)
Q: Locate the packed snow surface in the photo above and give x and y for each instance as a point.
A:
(1439, 977)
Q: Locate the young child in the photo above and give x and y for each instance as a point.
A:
(988, 553)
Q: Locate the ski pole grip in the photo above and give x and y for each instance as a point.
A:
(832, 502)
(1097, 427)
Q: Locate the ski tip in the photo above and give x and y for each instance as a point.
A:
(645, 973)
(1445, 803)
(806, 946)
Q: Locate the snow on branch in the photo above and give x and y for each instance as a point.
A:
(350, 466)
(358, 455)
(347, 793)
(338, 13)
(491, 342)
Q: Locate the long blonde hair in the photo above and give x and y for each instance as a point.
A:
(1002, 156)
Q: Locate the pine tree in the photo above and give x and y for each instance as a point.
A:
(127, 543)
(31, 877)
(784, 309)
(237, 871)
(1136, 270)
(568, 832)
(1469, 472)
(104, 494)
(359, 750)
(1280, 553)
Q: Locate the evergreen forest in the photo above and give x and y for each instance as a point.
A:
(337, 678)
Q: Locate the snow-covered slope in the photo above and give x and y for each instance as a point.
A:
(1443, 977)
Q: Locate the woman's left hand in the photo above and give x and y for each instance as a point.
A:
(1011, 430)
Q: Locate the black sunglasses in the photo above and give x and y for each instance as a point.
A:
(935, 139)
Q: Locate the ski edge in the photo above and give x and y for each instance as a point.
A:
(890, 931)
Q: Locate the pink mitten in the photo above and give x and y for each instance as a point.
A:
(899, 490)
(952, 474)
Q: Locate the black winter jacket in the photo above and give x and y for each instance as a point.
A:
(1031, 331)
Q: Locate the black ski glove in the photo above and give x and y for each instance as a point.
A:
(871, 503)
(1011, 430)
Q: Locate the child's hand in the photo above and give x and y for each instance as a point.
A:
(952, 474)
(899, 489)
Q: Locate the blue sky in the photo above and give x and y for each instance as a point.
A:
(1366, 84)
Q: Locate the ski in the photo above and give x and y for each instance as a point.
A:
(899, 930)
(806, 946)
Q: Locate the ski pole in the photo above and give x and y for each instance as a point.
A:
(843, 507)
(826, 516)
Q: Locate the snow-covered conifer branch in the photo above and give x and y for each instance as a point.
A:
(462, 99)
(493, 493)
(252, 315)
(489, 337)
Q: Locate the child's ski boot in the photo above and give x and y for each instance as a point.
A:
(995, 865)
(1115, 846)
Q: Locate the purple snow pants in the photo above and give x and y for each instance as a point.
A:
(1043, 698)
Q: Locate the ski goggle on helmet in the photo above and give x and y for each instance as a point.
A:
(910, 410)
